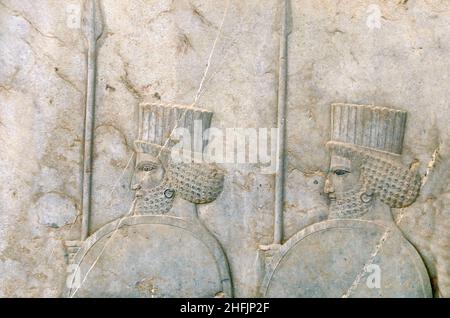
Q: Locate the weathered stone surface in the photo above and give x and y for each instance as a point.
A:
(151, 257)
(392, 54)
(331, 259)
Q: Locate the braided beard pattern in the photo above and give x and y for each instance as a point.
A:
(350, 207)
(153, 201)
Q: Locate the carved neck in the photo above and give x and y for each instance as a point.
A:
(378, 212)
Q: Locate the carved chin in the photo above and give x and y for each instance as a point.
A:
(154, 200)
(349, 205)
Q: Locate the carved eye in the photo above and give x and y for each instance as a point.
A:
(147, 168)
(340, 172)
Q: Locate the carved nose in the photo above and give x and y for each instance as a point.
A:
(328, 188)
(136, 187)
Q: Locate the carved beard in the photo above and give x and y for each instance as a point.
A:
(350, 206)
(154, 200)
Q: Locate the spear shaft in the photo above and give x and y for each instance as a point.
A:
(92, 33)
(282, 101)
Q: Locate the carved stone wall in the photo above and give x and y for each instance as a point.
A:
(226, 57)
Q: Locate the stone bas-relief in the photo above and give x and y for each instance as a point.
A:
(331, 258)
(363, 197)
(161, 182)
(173, 253)
(365, 143)
(151, 256)
(340, 258)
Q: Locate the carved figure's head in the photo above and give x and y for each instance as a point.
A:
(365, 146)
(157, 179)
(157, 122)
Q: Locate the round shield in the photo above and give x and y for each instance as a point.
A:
(347, 258)
(150, 256)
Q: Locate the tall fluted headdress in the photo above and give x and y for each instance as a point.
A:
(194, 182)
(158, 121)
(373, 127)
(375, 135)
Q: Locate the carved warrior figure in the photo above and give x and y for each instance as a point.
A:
(173, 253)
(331, 258)
(162, 184)
(365, 178)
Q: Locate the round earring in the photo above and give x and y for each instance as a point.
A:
(367, 196)
(169, 193)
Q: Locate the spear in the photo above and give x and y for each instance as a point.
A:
(282, 101)
(93, 31)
